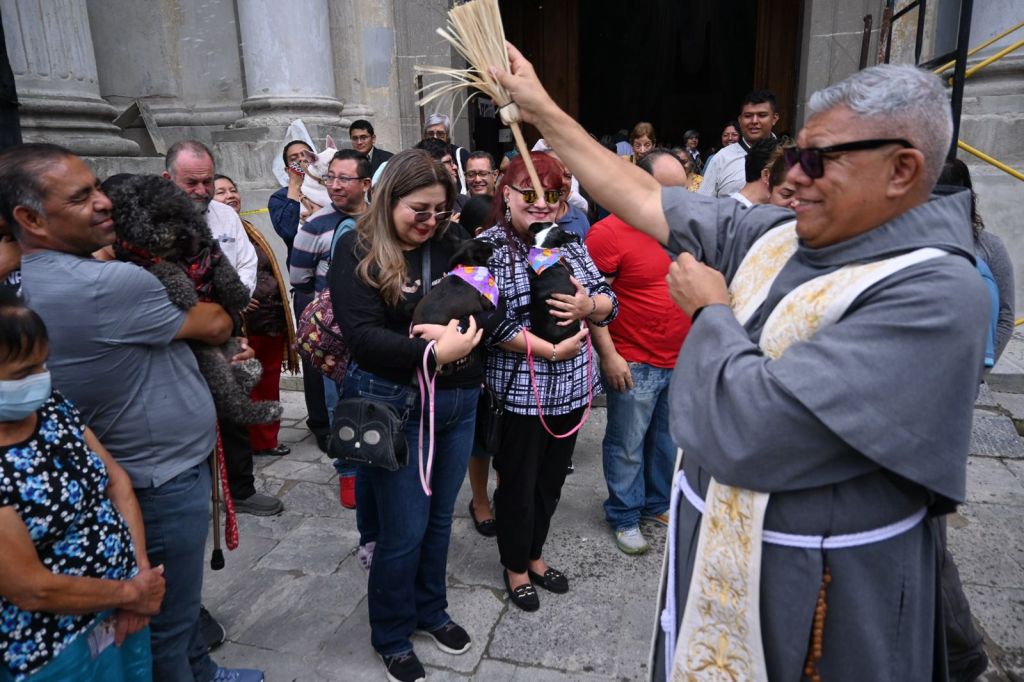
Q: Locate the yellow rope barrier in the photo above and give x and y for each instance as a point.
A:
(996, 57)
(988, 159)
(981, 47)
(255, 211)
(1019, 322)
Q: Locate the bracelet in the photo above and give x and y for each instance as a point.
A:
(554, 351)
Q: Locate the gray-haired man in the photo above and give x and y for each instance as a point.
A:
(825, 414)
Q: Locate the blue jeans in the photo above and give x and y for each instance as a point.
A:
(638, 452)
(408, 582)
(177, 518)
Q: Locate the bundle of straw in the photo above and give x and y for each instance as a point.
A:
(476, 32)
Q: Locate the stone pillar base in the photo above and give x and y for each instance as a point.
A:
(274, 111)
(83, 126)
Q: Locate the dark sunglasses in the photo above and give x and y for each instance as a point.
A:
(812, 160)
(551, 196)
(424, 216)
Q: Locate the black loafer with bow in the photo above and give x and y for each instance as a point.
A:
(552, 581)
(524, 596)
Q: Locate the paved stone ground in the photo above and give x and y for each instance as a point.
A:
(293, 594)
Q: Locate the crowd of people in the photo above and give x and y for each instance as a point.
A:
(774, 309)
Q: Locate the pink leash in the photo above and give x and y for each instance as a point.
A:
(427, 392)
(536, 391)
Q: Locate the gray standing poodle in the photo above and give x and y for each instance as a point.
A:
(161, 229)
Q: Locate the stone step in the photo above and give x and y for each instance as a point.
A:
(105, 166)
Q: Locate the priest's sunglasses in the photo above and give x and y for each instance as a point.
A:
(551, 196)
(812, 159)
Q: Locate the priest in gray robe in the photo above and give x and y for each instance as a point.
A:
(858, 431)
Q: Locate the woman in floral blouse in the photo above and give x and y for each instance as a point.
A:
(76, 589)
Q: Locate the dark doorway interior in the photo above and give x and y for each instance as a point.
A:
(676, 64)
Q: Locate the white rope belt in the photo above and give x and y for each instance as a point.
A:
(773, 537)
(668, 614)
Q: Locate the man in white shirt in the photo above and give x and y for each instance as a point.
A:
(190, 166)
(725, 173)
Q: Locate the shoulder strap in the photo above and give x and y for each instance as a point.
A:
(425, 274)
(346, 224)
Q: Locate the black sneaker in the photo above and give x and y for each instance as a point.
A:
(404, 668)
(450, 638)
(214, 633)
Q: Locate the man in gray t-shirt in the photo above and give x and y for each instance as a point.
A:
(113, 353)
(118, 351)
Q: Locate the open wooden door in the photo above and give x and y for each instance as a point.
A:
(777, 56)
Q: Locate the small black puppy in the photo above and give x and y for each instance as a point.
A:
(553, 279)
(453, 297)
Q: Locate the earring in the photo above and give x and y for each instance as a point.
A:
(508, 216)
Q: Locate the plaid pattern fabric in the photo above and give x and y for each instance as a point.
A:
(562, 385)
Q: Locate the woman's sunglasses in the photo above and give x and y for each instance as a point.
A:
(424, 216)
(551, 196)
(812, 160)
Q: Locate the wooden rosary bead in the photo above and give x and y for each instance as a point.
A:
(816, 648)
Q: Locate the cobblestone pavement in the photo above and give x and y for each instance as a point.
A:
(292, 596)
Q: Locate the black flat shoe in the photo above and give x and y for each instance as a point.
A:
(486, 528)
(552, 580)
(524, 596)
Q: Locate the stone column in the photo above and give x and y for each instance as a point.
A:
(51, 53)
(286, 49)
(179, 56)
(365, 68)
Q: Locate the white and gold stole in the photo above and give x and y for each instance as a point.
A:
(720, 634)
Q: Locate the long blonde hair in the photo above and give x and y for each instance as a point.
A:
(383, 266)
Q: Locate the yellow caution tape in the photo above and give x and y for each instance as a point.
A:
(254, 211)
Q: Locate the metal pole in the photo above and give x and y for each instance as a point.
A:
(960, 70)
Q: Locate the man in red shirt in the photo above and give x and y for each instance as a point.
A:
(638, 351)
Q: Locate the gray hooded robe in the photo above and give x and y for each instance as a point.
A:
(856, 428)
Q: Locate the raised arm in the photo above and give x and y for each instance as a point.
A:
(616, 184)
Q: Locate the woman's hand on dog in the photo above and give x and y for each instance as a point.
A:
(572, 346)
(430, 332)
(573, 308)
(453, 344)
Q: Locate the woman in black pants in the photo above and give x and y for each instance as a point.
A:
(532, 462)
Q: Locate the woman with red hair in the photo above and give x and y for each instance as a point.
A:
(553, 398)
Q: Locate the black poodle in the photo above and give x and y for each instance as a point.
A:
(161, 229)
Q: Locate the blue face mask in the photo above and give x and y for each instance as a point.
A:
(21, 397)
